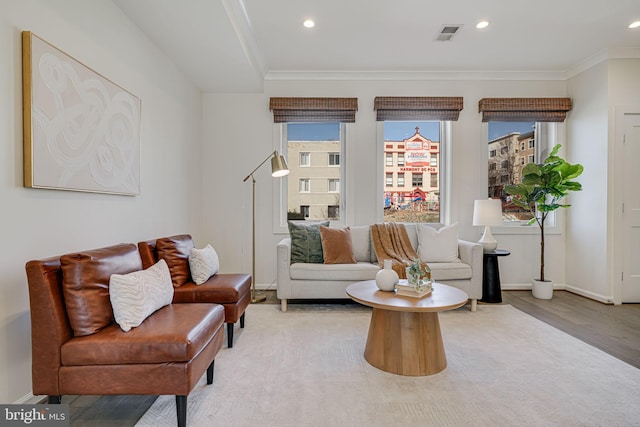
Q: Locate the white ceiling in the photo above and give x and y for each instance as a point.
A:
(233, 45)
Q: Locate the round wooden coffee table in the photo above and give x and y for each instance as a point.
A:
(404, 333)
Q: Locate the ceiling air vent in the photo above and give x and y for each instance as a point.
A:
(447, 32)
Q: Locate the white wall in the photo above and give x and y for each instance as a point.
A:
(238, 135)
(39, 223)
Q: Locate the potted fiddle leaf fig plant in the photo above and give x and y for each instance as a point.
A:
(543, 186)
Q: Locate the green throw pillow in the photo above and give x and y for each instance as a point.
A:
(306, 245)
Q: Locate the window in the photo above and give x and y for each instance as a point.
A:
(504, 138)
(333, 212)
(304, 210)
(400, 179)
(322, 142)
(304, 185)
(389, 159)
(389, 179)
(401, 158)
(305, 159)
(433, 162)
(416, 180)
(434, 180)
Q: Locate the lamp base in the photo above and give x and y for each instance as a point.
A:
(489, 244)
(258, 298)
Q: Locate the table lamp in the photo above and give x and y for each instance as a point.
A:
(487, 212)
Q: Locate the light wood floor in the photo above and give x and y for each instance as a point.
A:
(613, 329)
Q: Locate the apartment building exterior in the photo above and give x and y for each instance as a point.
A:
(508, 155)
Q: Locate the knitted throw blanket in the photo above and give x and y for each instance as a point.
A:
(391, 241)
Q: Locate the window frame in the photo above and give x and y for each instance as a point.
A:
(280, 187)
(444, 168)
(308, 155)
(548, 134)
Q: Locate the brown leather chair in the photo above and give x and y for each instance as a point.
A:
(78, 349)
(232, 291)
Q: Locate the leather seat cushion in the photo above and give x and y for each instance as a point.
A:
(175, 333)
(219, 288)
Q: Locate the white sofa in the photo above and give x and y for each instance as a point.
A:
(329, 281)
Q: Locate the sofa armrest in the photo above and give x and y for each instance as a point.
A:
(283, 279)
(471, 253)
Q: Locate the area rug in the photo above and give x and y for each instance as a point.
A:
(305, 368)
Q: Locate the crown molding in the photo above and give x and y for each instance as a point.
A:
(415, 75)
(239, 19)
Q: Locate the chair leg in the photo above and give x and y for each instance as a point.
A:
(474, 304)
(242, 320)
(181, 409)
(54, 400)
(210, 372)
(229, 335)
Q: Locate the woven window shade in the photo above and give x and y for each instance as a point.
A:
(524, 109)
(417, 107)
(314, 109)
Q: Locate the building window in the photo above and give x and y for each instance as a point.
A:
(409, 197)
(532, 143)
(504, 150)
(333, 212)
(324, 142)
(389, 159)
(304, 210)
(504, 179)
(305, 159)
(492, 166)
(492, 153)
(522, 146)
(304, 185)
(522, 160)
(532, 158)
(504, 164)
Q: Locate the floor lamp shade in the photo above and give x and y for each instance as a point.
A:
(487, 212)
(279, 168)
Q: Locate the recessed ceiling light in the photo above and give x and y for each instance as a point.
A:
(482, 24)
(635, 24)
(309, 23)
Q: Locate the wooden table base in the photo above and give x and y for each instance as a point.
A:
(405, 343)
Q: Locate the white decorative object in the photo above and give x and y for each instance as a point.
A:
(135, 296)
(387, 278)
(487, 212)
(203, 263)
(438, 245)
(542, 289)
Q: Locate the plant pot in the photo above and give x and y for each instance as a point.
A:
(542, 290)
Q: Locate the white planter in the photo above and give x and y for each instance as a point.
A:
(542, 290)
(386, 278)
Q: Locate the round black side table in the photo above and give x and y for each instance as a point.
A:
(491, 291)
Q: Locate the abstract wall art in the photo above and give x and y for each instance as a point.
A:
(81, 130)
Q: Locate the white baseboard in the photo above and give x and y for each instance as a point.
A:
(592, 295)
(29, 399)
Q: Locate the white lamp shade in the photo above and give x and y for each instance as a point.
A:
(487, 212)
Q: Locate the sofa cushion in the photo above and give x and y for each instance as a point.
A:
(438, 245)
(361, 243)
(359, 271)
(85, 284)
(175, 333)
(450, 271)
(221, 288)
(203, 264)
(175, 251)
(135, 296)
(336, 245)
(306, 244)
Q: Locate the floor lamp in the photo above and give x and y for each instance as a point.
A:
(278, 168)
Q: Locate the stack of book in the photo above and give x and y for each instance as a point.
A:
(403, 288)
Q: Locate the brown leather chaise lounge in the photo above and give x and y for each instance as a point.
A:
(79, 349)
(232, 291)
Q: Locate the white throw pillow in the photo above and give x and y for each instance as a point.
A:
(135, 296)
(203, 263)
(438, 245)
